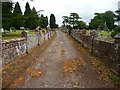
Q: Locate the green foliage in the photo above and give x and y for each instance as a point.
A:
(97, 21)
(109, 19)
(7, 9)
(17, 19)
(27, 9)
(27, 16)
(14, 18)
(56, 26)
(73, 19)
(34, 19)
(116, 31)
(7, 15)
(52, 21)
(102, 20)
(65, 20)
(43, 21)
(30, 17)
(17, 22)
(82, 25)
(114, 78)
(17, 10)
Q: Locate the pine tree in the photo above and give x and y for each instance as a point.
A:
(17, 17)
(52, 21)
(27, 15)
(46, 22)
(43, 21)
(33, 19)
(17, 9)
(7, 15)
(27, 9)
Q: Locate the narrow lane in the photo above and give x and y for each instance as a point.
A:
(53, 60)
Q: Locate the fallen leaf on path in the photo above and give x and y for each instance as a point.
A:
(71, 66)
(35, 72)
(18, 82)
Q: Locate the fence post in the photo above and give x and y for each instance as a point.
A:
(38, 36)
(92, 41)
(117, 42)
(93, 35)
(26, 38)
(25, 35)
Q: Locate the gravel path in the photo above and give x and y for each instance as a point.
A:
(53, 71)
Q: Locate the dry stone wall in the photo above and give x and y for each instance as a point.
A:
(13, 49)
(108, 51)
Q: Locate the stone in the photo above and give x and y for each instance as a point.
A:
(1, 30)
(24, 33)
(117, 36)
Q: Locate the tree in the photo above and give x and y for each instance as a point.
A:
(33, 19)
(116, 31)
(17, 9)
(52, 21)
(82, 25)
(46, 22)
(7, 15)
(43, 21)
(97, 21)
(73, 19)
(108, 18)
(102, 19)
(27, 9)
(27, 17)
(17, 19)
(65, 20)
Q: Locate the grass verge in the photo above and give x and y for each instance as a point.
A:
(14, 34)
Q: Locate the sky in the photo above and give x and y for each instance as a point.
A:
(85, 8)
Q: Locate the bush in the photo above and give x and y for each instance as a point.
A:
(116, 31)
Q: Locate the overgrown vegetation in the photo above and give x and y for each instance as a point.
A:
(113, 77)
(116, 31)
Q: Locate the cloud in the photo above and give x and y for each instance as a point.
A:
(85, 8)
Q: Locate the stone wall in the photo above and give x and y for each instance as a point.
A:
(107, 51)
(12, 49)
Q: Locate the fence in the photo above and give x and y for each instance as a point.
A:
(12, 49)
(109, 52)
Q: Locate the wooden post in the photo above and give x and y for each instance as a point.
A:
(117, 42)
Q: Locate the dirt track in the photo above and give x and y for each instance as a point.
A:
(62, 65)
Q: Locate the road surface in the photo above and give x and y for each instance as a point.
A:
(57, 67)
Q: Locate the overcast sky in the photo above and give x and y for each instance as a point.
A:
(85, 8)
